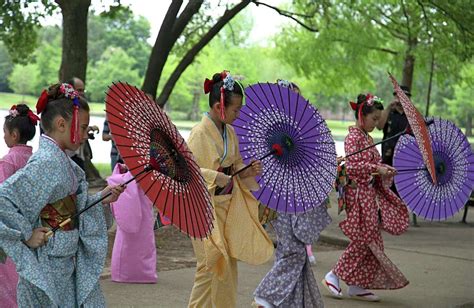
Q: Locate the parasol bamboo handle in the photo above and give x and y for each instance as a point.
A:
(407, 130)
(62, 224)
(65, 222)
(250, 165)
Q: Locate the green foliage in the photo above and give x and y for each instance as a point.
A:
(359, 41)
(114, 65)
(48, 56)
(19, 25)
(24, 79)
(6, 67)
(461, 107)
(125, 31)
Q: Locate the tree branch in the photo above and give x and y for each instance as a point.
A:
(289, 15)
(191, 54)
(387, 16)
(161, 49)
(450, 16)
(392, 32)
(382, 49)
(184, 18)
(407, 21)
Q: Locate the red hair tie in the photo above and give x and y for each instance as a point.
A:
(359, 115)
(224, 74)
(222, 103)
(353, 105)
(208, 85)
(33, 117)
(42, 102)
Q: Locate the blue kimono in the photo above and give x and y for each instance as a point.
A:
(65, 272)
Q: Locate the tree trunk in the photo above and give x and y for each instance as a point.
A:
(430, 84)
(469, 125)
(170, 31)
(191, 54)
(74, 54)
(194, 113)
(408, 69)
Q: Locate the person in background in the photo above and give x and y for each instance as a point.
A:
(19, 128)
(114, 154)
(393, 120)
(290, 282)
(83, 155)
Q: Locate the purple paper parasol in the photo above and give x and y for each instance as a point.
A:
(302, 176)
(454, 167)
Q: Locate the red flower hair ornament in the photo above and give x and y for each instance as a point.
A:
(369, 101)
(70, 93)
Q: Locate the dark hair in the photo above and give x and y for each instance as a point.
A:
(215, 93)
(72, 82)
(22, 123)
(366, 109)
(59, 105)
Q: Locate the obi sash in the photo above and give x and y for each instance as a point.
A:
(53, 214)
(226, 190)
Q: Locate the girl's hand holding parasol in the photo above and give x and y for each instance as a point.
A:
(386, 170)
(38, 238)
(115, 193)
(222, 179)
(253, 171)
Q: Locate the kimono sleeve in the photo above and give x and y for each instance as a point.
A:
(248, 182)
(359, 163)
(206, 156)
(22, 197)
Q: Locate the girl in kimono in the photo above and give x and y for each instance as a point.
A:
(61, 271)
(19, 128)
(134, 252)
(363, 265)
(290, 282)
(237, 233)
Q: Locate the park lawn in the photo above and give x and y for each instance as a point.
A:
(9, 99)
(104, 169)
(338, 128)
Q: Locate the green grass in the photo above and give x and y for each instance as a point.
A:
(338, 128)
(9, 99)
(104, 169)
(185, 124)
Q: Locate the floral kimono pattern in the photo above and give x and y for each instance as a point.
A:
(65, 272)
(291, 282)
(364, 263)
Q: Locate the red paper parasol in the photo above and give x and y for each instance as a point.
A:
(145, 136)
(418, 127)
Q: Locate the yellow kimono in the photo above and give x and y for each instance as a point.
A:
(237, 233)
